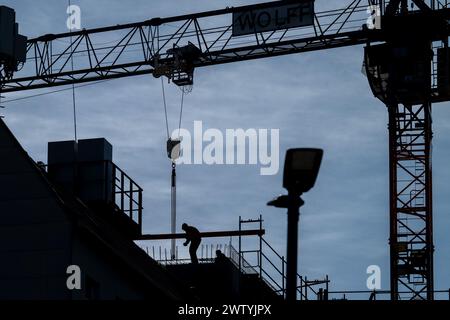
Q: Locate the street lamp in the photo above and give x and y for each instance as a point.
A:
(301, 168)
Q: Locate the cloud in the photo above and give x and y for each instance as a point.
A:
(317, 99)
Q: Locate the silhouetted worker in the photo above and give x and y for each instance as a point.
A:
(192, 236)
(220, 257)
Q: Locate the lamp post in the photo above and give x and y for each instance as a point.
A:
(301, 168)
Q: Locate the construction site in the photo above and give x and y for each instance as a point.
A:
(225, 151)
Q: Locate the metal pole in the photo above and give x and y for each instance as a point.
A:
(140, 210)
(392, 201)
(295, 202)
(306, 288)
(240, 244)
(301, 288)
(283, 277)
(260, 247)
(429, 202)
(173, 209)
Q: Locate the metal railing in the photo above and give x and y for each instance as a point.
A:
(206, 254)
(305, 287)
(271, 267)
(127, 195)
(238, 260)
(118, 189)
(379, 295)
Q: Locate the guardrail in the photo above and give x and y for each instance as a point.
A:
(127, 195)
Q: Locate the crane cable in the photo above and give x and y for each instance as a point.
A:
(181, 112)
(173, 185)
(165, 109)
(74, 103)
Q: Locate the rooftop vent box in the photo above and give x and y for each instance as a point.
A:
(94, 150)
(85, 168)
(13, 46)
(7, 25)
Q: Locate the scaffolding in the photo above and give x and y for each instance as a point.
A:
(263, 261)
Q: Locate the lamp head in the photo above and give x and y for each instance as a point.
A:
(301, 168)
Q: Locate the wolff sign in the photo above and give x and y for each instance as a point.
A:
(273, 16)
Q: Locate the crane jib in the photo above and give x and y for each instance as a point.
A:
(274, 17)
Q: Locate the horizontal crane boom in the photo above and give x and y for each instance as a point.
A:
(149, 47)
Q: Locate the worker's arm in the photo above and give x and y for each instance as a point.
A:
(186, 242)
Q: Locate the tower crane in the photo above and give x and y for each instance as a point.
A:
(406, 60)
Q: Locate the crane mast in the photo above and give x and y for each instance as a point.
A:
(406, 60)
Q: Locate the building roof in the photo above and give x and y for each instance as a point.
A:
(15, 164)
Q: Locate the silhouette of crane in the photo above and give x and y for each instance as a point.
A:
(406, 62)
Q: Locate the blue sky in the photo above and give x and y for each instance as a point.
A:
(318, 99)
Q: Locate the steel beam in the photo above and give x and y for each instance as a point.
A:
(213, 234)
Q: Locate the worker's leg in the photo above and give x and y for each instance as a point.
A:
(193, 251)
